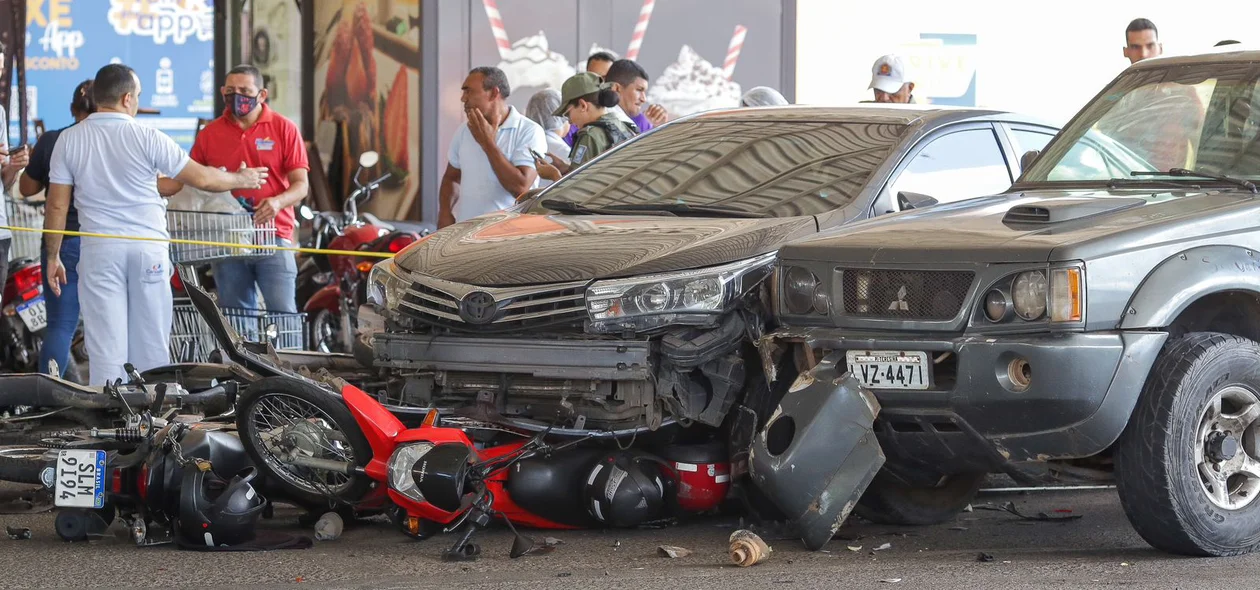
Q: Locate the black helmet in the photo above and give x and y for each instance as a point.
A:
(627, 489)
(218, 513)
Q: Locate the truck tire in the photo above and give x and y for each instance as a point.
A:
(890, 501)
(1195, 425)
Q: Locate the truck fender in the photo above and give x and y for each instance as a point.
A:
(1182, 279)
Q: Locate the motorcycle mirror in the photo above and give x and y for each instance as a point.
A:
(369, 159)
(306, 213)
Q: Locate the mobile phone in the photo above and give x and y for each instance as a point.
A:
(538, 155)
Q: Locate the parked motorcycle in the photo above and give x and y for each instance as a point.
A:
(335, 286)
(457, 475)
(25, 317)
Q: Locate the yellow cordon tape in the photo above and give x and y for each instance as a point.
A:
(203, 243)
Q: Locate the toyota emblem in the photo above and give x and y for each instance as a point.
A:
(478, 307)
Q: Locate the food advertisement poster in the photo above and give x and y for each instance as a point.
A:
(170, 44)
(366, 97)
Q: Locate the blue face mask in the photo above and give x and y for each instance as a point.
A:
(241, 104)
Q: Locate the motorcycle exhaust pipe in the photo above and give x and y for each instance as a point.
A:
(326, 465)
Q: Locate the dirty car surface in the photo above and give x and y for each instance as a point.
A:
(1106, 307)
(627, 295)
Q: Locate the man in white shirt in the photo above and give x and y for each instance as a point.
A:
(490, 160)
(112, 163)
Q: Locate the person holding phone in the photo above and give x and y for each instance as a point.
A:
(586, 99)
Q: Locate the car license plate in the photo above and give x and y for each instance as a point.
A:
(80, 479)
(890, 369)
(33, 314)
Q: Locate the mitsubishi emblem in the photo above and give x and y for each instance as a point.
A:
(900, 304)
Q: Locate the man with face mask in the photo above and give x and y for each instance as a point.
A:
(249, 131)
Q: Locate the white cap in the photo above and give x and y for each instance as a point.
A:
(888, 74)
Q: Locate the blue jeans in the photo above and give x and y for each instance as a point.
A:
(63, 311)
(275, 276)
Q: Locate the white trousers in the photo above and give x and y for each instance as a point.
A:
(125, 295)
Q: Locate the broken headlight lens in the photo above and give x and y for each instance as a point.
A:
(385, 286)
(699, 292)
(401, 479)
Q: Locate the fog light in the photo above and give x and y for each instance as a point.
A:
(995, 305)
(1020, 373)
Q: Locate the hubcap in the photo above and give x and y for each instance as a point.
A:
(1226, 448)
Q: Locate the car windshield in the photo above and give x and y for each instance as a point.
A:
(1202, 118)
(758, 168)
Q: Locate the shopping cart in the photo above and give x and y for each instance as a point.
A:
(232, 233)
(22, 213)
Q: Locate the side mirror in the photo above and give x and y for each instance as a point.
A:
(529, 194)
(369, 159)
(1027, 159)
(305, 213)
(908, 200)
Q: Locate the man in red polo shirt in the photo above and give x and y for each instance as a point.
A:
(249, 131)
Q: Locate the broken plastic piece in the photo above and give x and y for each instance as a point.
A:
(884, 547)
(18, 533)
(747, 549)
(329, 527)
(673, 552)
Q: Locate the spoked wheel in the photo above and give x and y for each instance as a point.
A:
(325, 332)
(292, 429)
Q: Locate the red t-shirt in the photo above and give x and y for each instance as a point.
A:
(273, 142)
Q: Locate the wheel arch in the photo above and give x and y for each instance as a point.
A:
(1183, 289)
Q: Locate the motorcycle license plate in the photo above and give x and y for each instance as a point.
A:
(80, 479)
(33, 314)
(886, 369)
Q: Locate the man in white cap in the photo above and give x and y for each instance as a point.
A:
(888, 80)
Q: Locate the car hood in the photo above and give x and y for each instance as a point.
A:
(1028, 226)
(520, 249)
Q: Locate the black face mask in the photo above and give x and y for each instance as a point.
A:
(241, 104)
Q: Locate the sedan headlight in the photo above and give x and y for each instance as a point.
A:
(673, 296)
(401, 479)
(385, 286)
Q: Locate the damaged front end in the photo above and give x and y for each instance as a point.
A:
(608, 356)
(817, 453)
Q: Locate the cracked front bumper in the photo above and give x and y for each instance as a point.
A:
(1083, 389)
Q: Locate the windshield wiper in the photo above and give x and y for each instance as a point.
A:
(1116, 183)
(1239, 182)
(685, 209)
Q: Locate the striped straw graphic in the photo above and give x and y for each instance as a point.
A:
(732, 52)
(496, 25)
(640, 28)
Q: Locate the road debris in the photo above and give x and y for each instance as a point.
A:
(854, 549)
(329, 527)
(890, 580)
(1039, 517)
(958, 528)
(18, 533)
(673, 552)
(984, 557)
(883, 547)
(747, 549)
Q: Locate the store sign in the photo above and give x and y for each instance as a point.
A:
(943, 67)
(170, 44)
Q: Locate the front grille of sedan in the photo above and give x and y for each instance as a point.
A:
(924, 295)
(438, 303)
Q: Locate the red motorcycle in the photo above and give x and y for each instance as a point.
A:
(336, 286)
(457, 475)
(24, 319)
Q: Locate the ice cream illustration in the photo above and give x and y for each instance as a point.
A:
(691, 85)
(530, 62)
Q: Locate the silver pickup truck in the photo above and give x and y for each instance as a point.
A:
(1101, 315)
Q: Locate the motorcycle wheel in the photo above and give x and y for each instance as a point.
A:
(22, 464)
(282, 417)
(325, 332)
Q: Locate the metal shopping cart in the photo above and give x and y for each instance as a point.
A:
(23, 213)
(232, 233)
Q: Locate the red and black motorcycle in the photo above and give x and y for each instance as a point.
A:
(458, 475)
(25, 317)
(335, 286)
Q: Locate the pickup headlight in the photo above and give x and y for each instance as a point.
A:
(1029, 292)
(1056, 295)
(645, 302)
(803, 293)
(401, 464)
(385, 286)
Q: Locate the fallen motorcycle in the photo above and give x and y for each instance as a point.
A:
(460, 475)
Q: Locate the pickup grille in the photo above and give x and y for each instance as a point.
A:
(438, 303)
(931, 295)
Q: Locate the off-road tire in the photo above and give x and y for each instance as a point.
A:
(332, 405)
(22, 464)
(1156, 474)
(890, 501)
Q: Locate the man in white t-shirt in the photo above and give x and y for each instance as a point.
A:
(490, 160)
(112, 164)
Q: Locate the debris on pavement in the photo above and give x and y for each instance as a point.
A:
(890, 580)
(958, 528)
(18, 533)
(329, 527)
(673, 552)
(818, 452)
(854, 549)
(747, 549)
(1039, 517)
(27, 501)
(883, 547)
(984, 557)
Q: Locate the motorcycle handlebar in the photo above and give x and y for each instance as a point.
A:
(46, 391)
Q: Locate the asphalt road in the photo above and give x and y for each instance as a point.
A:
(1097, 550)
